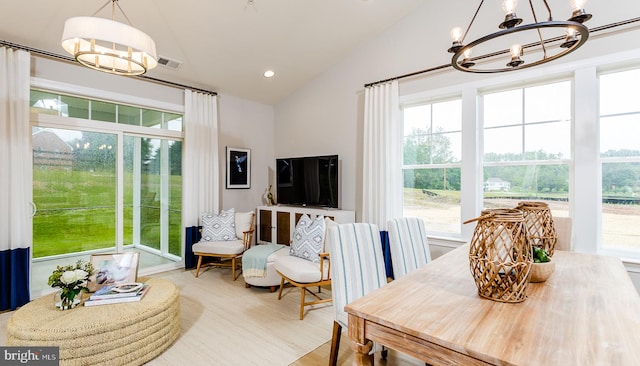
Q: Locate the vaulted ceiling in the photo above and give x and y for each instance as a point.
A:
(224, 45)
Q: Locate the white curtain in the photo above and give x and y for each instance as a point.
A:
(15, 179)
(382, 157)
(201, 176)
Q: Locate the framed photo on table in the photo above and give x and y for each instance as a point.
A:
(238, 168)
(112, 269)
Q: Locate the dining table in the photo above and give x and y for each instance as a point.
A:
(586, 313)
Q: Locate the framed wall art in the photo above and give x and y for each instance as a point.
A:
(238, 168)
(114, 268)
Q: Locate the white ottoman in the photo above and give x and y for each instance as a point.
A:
(271, 278)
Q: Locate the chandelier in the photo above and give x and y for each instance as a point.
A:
(109, 46)
(520, 46)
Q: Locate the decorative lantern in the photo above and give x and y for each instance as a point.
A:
(500, 256)
(539, 223)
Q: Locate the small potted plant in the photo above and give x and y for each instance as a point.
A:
(72, 280)
(542, 266)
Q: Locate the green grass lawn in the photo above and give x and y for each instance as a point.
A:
(77, 212)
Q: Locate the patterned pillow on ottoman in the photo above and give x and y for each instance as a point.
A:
(219, 227)
(308, 238)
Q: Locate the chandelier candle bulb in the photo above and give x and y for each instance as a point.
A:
(510, 17)
(516, 52)
(571, 39)
(466, 62)
(509, 6)
(456, 35)
(578, 4)
(579, 14)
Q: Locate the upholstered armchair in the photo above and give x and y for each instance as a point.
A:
(225, 237)
(307, 264)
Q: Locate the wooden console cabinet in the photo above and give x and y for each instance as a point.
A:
(276, 223)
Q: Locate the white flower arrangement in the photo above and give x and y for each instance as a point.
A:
(71, 279)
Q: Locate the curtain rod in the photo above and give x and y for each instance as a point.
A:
(68, 59)
(436, 68)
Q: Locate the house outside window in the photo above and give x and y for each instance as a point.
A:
(527, 140)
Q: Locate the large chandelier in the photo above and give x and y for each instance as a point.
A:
(109, 46)
(517, 46)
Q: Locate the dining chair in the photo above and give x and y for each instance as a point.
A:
(357, 269)
(408, 245)
(563, 233)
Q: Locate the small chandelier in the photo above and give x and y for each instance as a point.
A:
(526, 45)
(109, 46)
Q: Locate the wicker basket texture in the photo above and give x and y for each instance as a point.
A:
(539, 223)
(500, 256)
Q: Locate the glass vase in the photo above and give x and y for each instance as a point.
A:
(64, 302)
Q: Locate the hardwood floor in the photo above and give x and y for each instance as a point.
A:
(320, 355)
(224, 323)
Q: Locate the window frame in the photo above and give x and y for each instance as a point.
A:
(585, 191)
(120, 130)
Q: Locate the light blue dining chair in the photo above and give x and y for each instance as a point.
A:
(408, 245)
(357, 268)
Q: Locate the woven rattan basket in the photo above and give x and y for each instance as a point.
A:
(539, 223)
(500, 257)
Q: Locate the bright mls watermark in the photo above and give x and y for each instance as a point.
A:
(48, 356)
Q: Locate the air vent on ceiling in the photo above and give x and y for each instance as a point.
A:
(167, 62)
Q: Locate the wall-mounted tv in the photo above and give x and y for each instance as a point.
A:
(307, 181)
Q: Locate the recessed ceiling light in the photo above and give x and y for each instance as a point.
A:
(269, 74)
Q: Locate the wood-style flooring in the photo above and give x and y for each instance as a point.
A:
(224, 323)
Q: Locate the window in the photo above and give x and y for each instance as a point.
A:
(44, 102)
(527, 140)
(75, 191)
(431, 164)
(84, 204)
(620, 157)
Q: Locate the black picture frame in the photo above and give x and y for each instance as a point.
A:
(238, 168)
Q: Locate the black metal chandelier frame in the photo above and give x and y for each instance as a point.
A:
(580, 34)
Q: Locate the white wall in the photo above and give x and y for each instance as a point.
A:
(76, 74)
(250, 125)
(326, 115)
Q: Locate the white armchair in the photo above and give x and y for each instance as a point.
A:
(225, 237)
(307, 264)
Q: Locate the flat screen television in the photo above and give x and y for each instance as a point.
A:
(307, 181)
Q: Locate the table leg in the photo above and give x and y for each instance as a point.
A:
(359, 344)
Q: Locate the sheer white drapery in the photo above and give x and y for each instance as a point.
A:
(15, 150)
(200, 173)
(382, 157)
(15, 182)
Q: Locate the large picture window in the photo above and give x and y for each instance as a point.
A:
(620, 157)
(527, 140)
(431, 164)
(111, 183)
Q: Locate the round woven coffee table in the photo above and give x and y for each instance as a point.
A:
(116, 334)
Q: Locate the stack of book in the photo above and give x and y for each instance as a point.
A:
(115, 294)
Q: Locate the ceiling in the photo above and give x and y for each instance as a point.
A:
(224, 45)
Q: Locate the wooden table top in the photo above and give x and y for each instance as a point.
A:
(586, 313)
